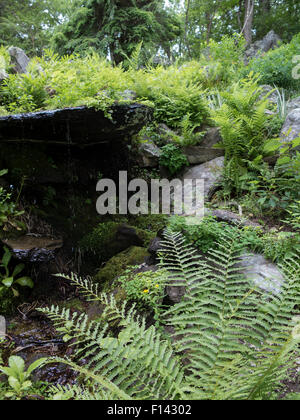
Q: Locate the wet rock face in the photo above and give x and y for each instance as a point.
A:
(79, 126)
(34, 249)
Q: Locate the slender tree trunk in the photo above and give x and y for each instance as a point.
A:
(209, 21)
(248, 21)
(186, 27)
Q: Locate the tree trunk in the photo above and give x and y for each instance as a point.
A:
(186, 27)
(248, 21)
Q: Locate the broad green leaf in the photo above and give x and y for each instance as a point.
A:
(8, 281)
(25, 281)
(6, 257)
(14, 383)
(16, 363)
(18, 269)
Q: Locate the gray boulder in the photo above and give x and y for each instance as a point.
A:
(210, 172)
(198, 154)
(270, 41)
(149, 154)
(261, 272)
(231, 218)
(291, 127)
(293, 104)
(19, 59)
(205, 151)
(271, 92)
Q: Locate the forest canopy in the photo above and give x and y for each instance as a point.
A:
(113, 28)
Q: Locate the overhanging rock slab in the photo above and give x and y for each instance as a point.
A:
(78, 126)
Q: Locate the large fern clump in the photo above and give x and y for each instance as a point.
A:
(243, 122)
(225, 339)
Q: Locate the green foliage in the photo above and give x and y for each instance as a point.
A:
(145, 288)
(204, 235)
(274, 189)
(275, 245)
(229, 341)
(115, 28)
(10, 279)
(276, 66)
(243, 124)
(172, 158)
(29, 24)
(294, 215)
(18, 378)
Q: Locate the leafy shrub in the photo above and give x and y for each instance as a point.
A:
(276, 66)
(10, 279)
(274, 189)
(18, 378)
(172, 158)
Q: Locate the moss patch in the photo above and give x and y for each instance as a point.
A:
(116, 265)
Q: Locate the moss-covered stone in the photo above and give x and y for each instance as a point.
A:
(111, 238)
(117, 264)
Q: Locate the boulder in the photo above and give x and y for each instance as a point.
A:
(127, 236)
(80, 125)
(210, 172)
(271, 92)
(261, 272)
(199, 154)
(19, 59)
(149, 154)
(116, 265)
(206, 150)
(231, 218)
(291, 127)
(293, 104)
(269, 42)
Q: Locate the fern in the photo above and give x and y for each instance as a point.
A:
(229, 339)
(243, 123)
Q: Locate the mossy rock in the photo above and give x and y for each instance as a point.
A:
(111, 238)
(116, 265)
